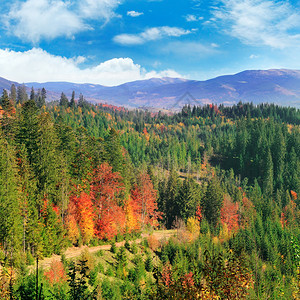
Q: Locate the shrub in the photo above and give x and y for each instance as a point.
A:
(153, 242)
(134, 248)
(99, 253)
(113, 248)
(127, 245)
(149, 264)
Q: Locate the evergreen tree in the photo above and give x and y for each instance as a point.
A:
(268, 175)
(32, 94)
(188, 199)
(10, 214)
(72, 102)
(81, 101)
(21, 94)
(5, 102)
(40, 99)
(44, 95)
(63, 100)
(172, 211)
(13, 94)
(212, 202)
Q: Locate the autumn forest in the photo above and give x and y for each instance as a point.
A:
(199, 204)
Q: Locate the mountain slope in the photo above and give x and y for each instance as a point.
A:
(274, 86)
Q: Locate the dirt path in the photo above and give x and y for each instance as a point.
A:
(73, 252)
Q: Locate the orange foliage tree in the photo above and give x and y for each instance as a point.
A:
(106, 189)
(71, 224)
(144, 197)
(81, 208)
(56, 274)
(132, 222)
(230, 214)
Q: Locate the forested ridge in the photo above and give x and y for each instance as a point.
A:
(72, 174)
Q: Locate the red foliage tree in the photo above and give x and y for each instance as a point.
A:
(106, 189)
(144, 197)
(199, 214)
(230, 214)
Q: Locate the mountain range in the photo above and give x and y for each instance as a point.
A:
(279, 86)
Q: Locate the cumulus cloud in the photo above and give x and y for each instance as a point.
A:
(255, 22)
(134, 14)
(193, 18)
(95, 9)
(38, 65)
(34, 20)
(150, 34)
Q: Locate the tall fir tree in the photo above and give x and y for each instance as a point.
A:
(212, 202)
(72, 101)
(21, 94)
(13, 94)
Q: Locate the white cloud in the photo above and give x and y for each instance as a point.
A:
(128, 39)
(98, 9)
(34, 20)
(214, 45)
(193, 18)
(150, 34)
(256, 22)
(189, 49)
(253, 56)
(38, 65)
(134, 14)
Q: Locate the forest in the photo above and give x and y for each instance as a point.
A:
(224, 180)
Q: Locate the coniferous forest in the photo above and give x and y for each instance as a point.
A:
(199, 204)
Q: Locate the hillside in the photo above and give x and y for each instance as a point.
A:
(73, 176)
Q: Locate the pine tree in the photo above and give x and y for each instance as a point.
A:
(172, 210)
(21, 94)
(72, 102)
(212, 202)
(44, 95)
(63, 100)
(10, 214)
(5, 102)
(13, 94)
(81, 101)
(268, 175)
(39, 99)
(32, 94)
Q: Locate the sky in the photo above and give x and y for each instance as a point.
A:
(110, 42)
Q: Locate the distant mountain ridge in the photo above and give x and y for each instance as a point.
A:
(280, 86)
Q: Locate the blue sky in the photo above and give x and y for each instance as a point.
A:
(110, 42)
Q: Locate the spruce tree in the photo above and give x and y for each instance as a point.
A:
(13, 94)
(63, 100)
(72, 102)
(32, 94)
(21, 94)
(212, 202)
(10, 214)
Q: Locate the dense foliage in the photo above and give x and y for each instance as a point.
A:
(228, 178)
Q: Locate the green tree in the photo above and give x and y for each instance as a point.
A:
(21, 94)
(10, 214)
(13, 93)
(212, 202)
(72, 102)
(63, 100)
